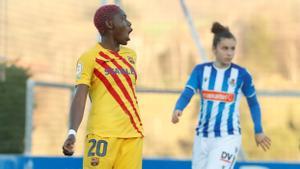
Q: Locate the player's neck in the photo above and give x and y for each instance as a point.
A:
(221, 65)
(110, 43)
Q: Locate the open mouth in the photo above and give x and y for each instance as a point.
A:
(130, 30)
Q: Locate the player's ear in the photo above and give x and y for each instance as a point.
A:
(109, 24)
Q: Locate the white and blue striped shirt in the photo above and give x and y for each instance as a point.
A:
(220, 91)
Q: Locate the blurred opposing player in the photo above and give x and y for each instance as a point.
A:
(220, 84)
(107, 73)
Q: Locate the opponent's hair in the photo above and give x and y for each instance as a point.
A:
(220, 32)
(104, 13)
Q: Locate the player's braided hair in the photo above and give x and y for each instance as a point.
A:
(104, 13)
(220, 32)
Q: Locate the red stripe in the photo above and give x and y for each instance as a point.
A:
(129, 65)
(113, 92)
(128, 81)
(125, 61)
(125, 75)
(121, 86)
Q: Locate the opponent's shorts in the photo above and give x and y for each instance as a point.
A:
(215, 153)
(111, 152)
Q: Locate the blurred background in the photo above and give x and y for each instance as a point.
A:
(47, 38)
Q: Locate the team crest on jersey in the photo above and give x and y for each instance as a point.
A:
(205, 79)
(130, 59)
(232, 82)
(95, 161)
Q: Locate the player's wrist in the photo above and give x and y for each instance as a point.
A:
(72, 132)
(258, 129)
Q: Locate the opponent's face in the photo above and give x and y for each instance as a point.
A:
(224, 51)
(122, 28)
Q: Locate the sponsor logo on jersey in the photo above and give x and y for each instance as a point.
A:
(95, 161)
(227, 157)
(217, 96)
(110, 71)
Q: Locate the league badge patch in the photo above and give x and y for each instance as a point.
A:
(79, 69)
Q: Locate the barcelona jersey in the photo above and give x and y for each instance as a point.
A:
(111, 77)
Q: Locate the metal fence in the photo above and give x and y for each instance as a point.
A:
(47, 118)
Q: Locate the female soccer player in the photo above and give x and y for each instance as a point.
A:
(106, 73)
(220, 84)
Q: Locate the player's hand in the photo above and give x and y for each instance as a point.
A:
(263, 141)
(68, 147)
(175, 116)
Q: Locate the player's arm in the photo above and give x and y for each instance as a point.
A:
(181, 103)
(78, 105)
(255, 113)
(76, 115)
(249, 91)
(260, 138)
(186, 95)
(84, 72)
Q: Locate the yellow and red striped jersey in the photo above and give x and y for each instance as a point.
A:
(111, 78)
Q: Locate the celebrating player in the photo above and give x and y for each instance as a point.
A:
(220, 84)
(106, 73)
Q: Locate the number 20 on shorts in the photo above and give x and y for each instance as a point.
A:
(97, 148)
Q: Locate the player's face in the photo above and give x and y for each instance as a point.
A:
(224, 51)
(122, 28)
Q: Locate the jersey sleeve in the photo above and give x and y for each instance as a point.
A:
(248, 87)
(84, 70)
(194, 80)
(184, 99)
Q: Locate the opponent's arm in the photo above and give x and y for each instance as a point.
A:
(182, 102)
(260, 138)
(249, 91)
(255, 113)
(191, 88)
